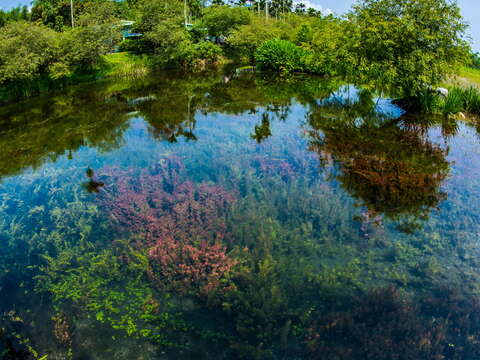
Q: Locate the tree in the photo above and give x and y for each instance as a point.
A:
(15, 14)
(95, 35)
(327, 41)
(300, 8)
(54, 13)
(25, 50)
(247, 38)
(221, 20)
(405, 45)
(57, 13)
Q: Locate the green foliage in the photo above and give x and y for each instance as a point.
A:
(56, 14)
(327, 45)
(399, 46)
(405, 44)
(207, 51)
(459, 99)
(82, 47)
(471, 100)
(112, 287)
(151, 13)
(453, 104)
(169, 40)
(26, 50)
(245, 40)
(305, 34)
(428, 100)
(280, 55)
(18, 13)
(125, 65)
(30, 51)
(222, 20)
(476, 60)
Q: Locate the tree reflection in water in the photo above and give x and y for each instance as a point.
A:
(390, 165)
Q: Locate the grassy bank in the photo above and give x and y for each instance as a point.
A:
(472, 75)
(115, 65)
(124, 64)
(467, 76)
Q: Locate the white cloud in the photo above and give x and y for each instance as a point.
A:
(314, 5)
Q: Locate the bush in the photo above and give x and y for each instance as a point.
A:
(221, 20)
(476, 60)
(135, 46)
(84, 46)
(26, 50)
(402, 45)
(246, 39)
(280, 55)
(304, 34)
(471, 100)
(454, 102)
(208, 51)
(428, 101)
(459, 99)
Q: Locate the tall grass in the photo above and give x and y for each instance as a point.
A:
(125, 65)
(459, 99)
(453, 104)
(471, 100)
(429, 101)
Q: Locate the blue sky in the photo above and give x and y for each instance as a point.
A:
(470, 10)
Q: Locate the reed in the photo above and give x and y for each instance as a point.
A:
(454, 102)
(471, 100)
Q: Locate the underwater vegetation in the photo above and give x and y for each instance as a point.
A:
(237, 217)
(181, 224)
(387, 324)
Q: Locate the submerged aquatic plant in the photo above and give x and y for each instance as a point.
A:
(387, 324)
(182, 224)
(109, 286)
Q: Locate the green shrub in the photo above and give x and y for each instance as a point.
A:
(458, 100)
(304, 34)
(136, 46)
(190, 55)
(476, 60)
(244, 41)
(280, 55)
(208, 51)
(429, 101)
(221, 20)
(471, 100)
(26, 50)
(454, 102)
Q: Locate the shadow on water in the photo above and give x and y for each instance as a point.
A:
(236, 217)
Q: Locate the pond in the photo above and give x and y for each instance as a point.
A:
(236, 216)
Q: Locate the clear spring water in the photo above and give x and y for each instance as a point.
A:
(236, 216)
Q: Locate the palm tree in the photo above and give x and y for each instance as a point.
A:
(71, 12)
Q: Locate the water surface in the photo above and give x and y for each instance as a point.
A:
(235, 216)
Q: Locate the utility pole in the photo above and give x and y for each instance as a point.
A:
(266, 9)
(185, 11)
(71, 12)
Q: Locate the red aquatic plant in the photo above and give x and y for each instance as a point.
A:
(181, 223)
(273, 166)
